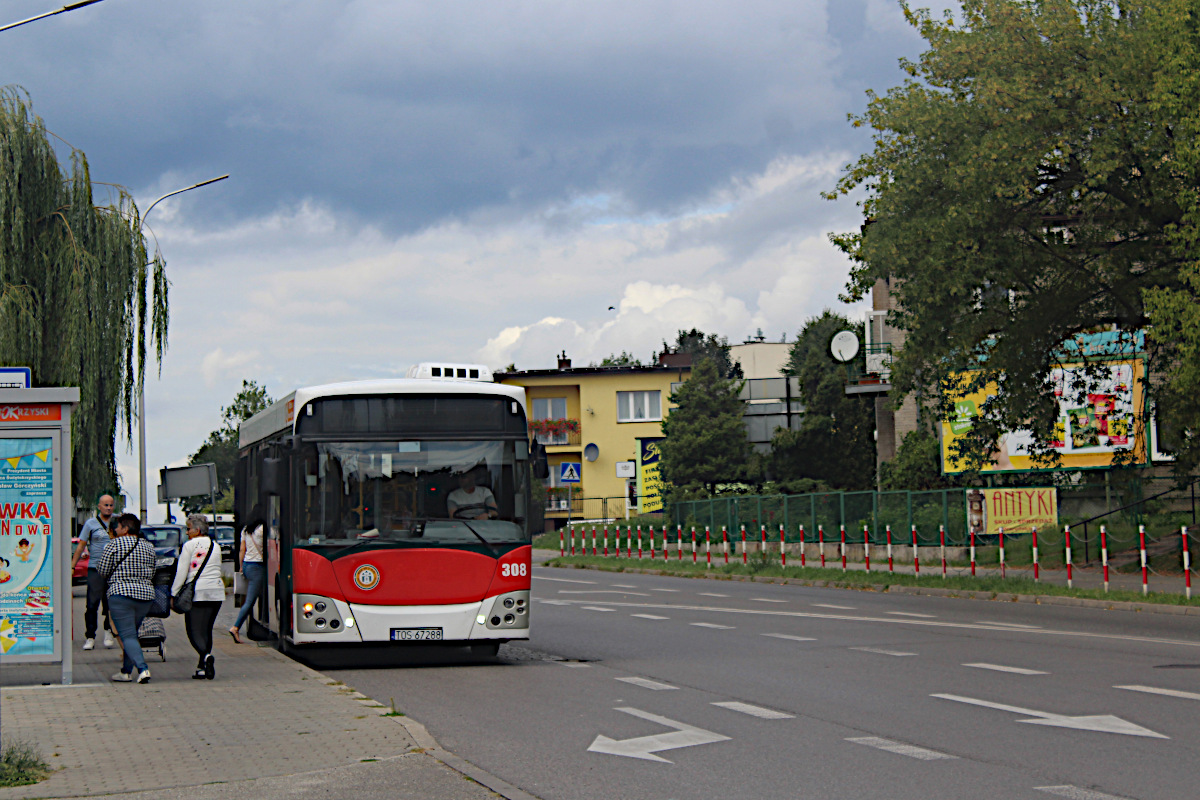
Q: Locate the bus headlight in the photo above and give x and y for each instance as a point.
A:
(509, 610)
(318, 614)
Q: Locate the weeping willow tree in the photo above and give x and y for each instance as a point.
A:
(74, 305)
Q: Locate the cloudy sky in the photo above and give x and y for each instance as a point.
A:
(465, 181)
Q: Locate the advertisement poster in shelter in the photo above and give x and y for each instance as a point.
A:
(650, 487)
(26, 545)
(1093, 423)
(1016, 510)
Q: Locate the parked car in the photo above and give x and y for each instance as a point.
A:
(224, 536)
(168, 540)
(79, 575)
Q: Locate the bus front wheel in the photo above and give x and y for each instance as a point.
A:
(485, 650)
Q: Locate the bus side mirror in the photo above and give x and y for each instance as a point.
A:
(541, 465)
(271, 480)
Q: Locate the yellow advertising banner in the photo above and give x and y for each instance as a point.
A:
(1016, 510)
(650, 487)
(1093, 424)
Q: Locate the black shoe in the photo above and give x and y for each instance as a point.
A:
(198, 675)
(210, 667)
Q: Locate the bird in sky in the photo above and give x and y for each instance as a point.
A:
(612, 308)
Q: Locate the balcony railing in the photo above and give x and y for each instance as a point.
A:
(555, 431)
(873, 373)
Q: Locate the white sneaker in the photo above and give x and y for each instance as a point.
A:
(88, 644)
(144, 676)
(122, 677)
(108, 640)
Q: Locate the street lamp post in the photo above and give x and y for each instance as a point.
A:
(144, 506)
(67, 7)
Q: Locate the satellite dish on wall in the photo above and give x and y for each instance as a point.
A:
(591, 452)
(844, 346)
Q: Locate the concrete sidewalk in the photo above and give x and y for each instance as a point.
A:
(266, 727)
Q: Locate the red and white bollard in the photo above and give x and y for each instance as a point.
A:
(693, 544)
(942, 536)
(593, 541)
(803, 558)
(606, 541)
(562, 543)
(679, 542)
(1145, 565)
(1067, 551)
(1036, 578)
(762, 547)
(707, 548)
(891, 567)
(652, 552)
(744, 556)
(843, 548)
(639, 542)
(972, 552)
(782, 549)
(572, 541)
(1104, 554)
(725, 543)
(1187, 563)
(821, 543)
(916, 553)
(666, 550)
(1002, 571)
(867, 547)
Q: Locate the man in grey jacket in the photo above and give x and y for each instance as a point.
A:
(93, 537)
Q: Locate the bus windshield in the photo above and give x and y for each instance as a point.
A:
(412, 492)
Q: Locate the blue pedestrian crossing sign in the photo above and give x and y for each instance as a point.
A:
(568, 472)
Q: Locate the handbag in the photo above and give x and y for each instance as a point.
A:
(186, 596)
(160, 606)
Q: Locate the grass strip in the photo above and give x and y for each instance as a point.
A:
(21, 764)
(876, 580)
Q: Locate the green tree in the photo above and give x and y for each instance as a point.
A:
(917, 465)
(705, 440)
(221, 446)
(73, 300)
(622, 360)
(701, 345)
(1022, 189)
(835, 443)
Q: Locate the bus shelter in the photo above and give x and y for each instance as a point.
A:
(35, 526)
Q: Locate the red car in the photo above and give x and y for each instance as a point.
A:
(79, 575)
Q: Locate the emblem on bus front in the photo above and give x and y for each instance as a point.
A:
(366, 577)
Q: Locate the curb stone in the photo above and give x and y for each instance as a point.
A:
(961, 594)
(423, 738)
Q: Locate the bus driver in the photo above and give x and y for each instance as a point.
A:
(469, 501)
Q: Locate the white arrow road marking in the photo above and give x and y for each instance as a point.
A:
(1075, 793)
(754, 711)
(1001, 668)
(561, 580)
(790, 637)
(1104, 723)
(644, 747)
(899, 748)
(713, 625)
(646, 683)
(910, 614)
(1166, 692)
(648, 616)
(882, 652)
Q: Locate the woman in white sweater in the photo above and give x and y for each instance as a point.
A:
(201, 556)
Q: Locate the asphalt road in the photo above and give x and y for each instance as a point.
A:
(640, 686)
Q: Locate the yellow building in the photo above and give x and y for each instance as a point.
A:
(599, 417)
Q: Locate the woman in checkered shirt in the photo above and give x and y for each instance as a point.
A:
(128, 566)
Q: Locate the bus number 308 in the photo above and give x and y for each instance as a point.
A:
(513, 570)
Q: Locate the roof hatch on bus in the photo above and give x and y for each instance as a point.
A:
(468, 372)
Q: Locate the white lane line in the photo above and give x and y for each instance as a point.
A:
(623, 586)
(648, 616)
(600, 591)
(789, 637)
(901, 749)
(1075, 793)
(1013, 670)
(714, 626)
(829, 605)
(1164, 692)
(712, 594)
(766, 600)
(595, 608)
(910, 614)
(560, 580)
(553, 602)
(881, 651)
(574, 664)
(646, 683)
(663, 590)
(1010, 625)
(754, 711)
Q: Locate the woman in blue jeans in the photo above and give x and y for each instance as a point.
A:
(128, 566)
(254, 569)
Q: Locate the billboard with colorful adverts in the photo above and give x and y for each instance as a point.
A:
(1093, 424)
(650, 486)
(27, 525)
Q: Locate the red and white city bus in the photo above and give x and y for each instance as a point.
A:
(397, 510)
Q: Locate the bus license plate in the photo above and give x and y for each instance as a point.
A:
(416, 634)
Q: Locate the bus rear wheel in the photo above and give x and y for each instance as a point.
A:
(485, 650)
